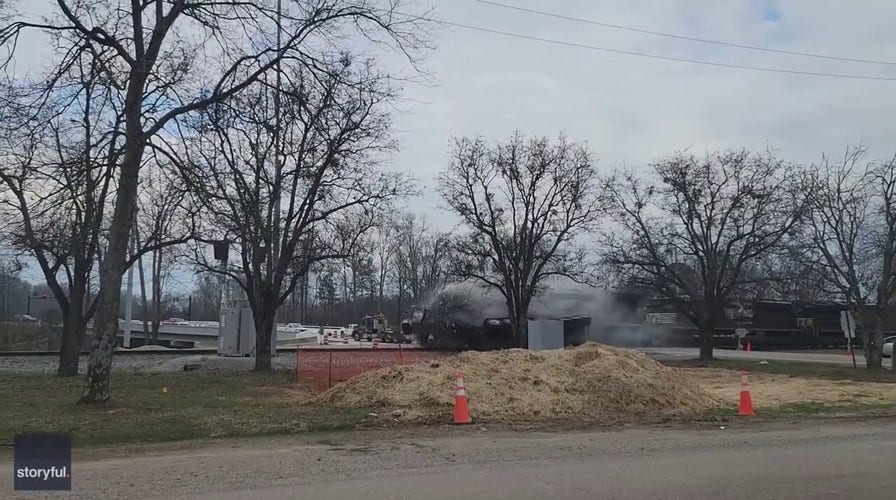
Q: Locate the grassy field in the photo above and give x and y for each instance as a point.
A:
(794, 369)
(179, 406)
(166, 407)
(22, 336)
(782, 389)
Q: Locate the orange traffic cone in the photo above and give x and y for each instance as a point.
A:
(376, 343)
(746, 401)
(749, 347)
(461, 410)
(326, 340)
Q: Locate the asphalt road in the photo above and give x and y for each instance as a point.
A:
(754, 461)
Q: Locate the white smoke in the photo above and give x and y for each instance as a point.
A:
(561, 298)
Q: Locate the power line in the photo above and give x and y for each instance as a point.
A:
(665, 58)
(682, 37)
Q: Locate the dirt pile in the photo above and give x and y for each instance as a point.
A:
(592, 382)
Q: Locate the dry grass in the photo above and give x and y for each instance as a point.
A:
(590, 383)
(770, 390)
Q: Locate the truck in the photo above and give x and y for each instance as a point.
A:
(377, 327)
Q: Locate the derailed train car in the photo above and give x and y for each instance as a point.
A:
(458, 319)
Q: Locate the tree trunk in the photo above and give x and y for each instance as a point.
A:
(156, 295)
(147, 339)
(99, 366)
(707, 337)
(304, 304)
(400, 299)
(73, 325)
(872, 343)
(264, 331)
(522, 334)
(70, 349)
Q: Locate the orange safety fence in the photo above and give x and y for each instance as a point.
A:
(324, 368)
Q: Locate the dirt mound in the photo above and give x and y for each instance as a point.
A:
(592, 382)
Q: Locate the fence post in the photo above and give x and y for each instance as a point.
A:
(330, 371)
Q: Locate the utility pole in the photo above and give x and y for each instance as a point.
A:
(273, 261)
(221, 251)
(147, 337)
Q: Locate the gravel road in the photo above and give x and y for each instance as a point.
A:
(837, 460)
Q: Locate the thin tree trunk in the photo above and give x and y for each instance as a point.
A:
(156, 294)
(147, 339)
(400, 297)
(304, 299)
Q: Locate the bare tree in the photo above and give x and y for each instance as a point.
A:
(206, 297)
(435, 260)
(315, 202)
(10, 269)
(852, 225)
(163, 222)
(420, 256)
(56, 166)
(361, 272)
(790, 272)
(384, 252)
(691, 235)
(172, 57)
(524, 202)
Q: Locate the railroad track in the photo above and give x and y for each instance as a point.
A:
(132, 352)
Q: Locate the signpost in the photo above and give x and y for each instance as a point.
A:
(740, 333)
(848, 324)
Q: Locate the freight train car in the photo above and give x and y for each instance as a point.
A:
(765, 324)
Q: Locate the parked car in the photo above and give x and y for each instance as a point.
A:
(26, 318)
(888, 346)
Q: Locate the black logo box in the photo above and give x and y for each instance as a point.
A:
(42, 462)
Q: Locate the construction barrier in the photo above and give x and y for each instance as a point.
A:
(324, 368)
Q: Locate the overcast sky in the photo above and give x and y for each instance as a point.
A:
(631, 110)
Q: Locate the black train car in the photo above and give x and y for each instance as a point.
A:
(795, 325)
(765, 324)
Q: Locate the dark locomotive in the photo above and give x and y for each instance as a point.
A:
(765, 324)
